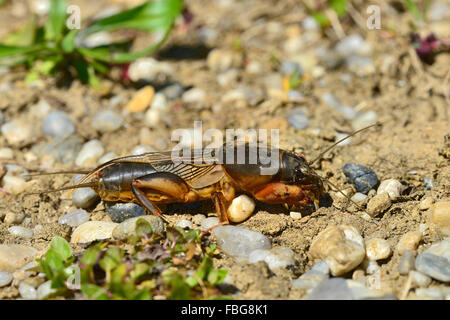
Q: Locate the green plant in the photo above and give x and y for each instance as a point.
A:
(339, 6)
(175, 265)
(53, 47)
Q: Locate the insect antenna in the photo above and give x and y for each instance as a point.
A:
(341, 140)
(57, 172)
(77, 186)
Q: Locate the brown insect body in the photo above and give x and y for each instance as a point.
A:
(153, 178)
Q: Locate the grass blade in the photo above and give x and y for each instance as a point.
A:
(55, 22)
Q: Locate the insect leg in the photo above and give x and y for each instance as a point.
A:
(161, 182)
(219, 202)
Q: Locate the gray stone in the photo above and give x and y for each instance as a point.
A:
(62, 149)
(361, 177)
(120, 212)
(58, 124)
(184, 224)
(298, 119)
(27, 291)
(239, 242)
(74, 218)
(173, 91)
(21, 231)
(441, 248)
(15, 256)
(107, 121)
(85, 198)
(45, 289)
(331, 289)
(365, 119)
(434, 266)
(406, 263)
(5, 279)
(128, 227)
(209, 223)
(275, 258)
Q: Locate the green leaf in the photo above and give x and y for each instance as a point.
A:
(61, 248)
(180, 290)
(139, 270)
(68, 42)
(217, 276)
(143, 228)
(90, 256)
(142, 294)
(339, 6)
(94, 292)
(23, 37)
(54, 260)
(191, 282)
(320, 19)
(56, 19)
(150, 16)
(205, 267)
(7, 51)
(413, 9)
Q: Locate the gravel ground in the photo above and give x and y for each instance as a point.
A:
(228, 68)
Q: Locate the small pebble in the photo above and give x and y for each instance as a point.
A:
(428, 183)
(331, 289)
(15, 256)
(353, 45)
(406, 263)
(289, 67)
(6, 153)
(420, 280)
(45, 289)
(378, 204)
(141, 150)
(322, 267)
(409, 242)
(128, 228)
(429, 293)
(149, 69)
(440, 217)
(340, 136)
(58, 124)
(60, 149)
(85, 198)
(377, 249)
(298, 119)
(426, 203)
(141, 100)
(5, 279)
(119, 212)
(275, 258)
(441, 248)
(364, 120)
(198, 218)
(74, 218)
(15, 185)
(17, 132)
(309, 280)
(27, 291)
(208, 223)
(392, 187)
(434, 266)
(220, 60)
(295, 215)
(361, 177)
(239, 242)
(21, 231)
(241, 208)
(89, 154)
(106, 121)
(173, 91)
(185, 224)
(159, 102)
(13, 218)
(107, 157)
(359, 197)
(371, 266)
(92, 231)
(341, 247)
(194, 95)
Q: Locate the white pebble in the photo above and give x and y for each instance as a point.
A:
(27, 291)
(148, 69)
(45, 289)
(13, 218)
(74, 218)
(359, 197)
(142, 149)
(89, 154)
(16, 132)
(377, 249)
(184, 224)
(295, 215)
(107, 157)
(159, 102)
(14, 185)
(392, 187)
(152, 117)
(5, 279)
(58, 124)
(93, 230)
(419, 279)
(241, 208)
(6, 153)
(371, 266)
(194, 95)
(208, 223)
(21, 231)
